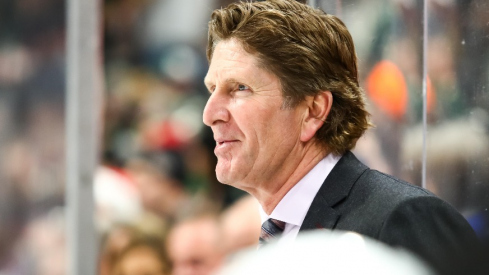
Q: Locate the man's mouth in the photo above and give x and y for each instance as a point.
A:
(225, 143)
(221, 142)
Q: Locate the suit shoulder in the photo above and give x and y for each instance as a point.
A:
(430, 208)
(386, 185)
(372, 199)
(429, 227)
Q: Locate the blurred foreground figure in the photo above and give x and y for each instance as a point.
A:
(286, 108)
(327, 253)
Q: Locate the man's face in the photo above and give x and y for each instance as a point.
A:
(193, 248)
(254, 134)
(140, 261)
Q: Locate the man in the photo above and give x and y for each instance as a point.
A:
(286, 108)
(193, 246)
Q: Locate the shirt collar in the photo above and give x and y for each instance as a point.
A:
(294, 205)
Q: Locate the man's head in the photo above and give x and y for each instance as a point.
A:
(193, 246)
(159, 177)
(283, 79)
(143, 255)
(309, 51)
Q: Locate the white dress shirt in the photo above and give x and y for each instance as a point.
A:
(293, 207)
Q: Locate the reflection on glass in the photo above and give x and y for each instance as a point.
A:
(458, 141)
(388, 37)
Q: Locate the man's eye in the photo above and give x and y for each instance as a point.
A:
(242, 87)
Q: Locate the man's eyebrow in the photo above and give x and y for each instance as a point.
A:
(208, 83)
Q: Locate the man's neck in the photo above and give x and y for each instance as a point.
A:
(270, 197)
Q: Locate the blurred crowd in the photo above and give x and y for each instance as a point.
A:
(159, 207)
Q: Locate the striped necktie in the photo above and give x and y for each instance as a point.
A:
(271, 229)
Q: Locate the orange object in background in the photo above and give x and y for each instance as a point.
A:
(431, 95)
(386, 87)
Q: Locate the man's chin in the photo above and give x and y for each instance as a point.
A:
(224, 174)
(223, 177)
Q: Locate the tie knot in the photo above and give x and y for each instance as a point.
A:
(278, 223)
(271, 229)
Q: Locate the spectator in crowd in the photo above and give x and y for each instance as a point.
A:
(240, 225)
(194, 246)
(149, 230)
(112, 244)
(143, 256)
(160, 177)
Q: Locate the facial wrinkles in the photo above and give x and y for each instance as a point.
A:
(239, 66)
(286, 160)
(254, 118)
(279, 157)
(281, 149)
(261, 87)
(257, 84)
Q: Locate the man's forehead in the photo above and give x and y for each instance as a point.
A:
(232, 47)
(229, 57)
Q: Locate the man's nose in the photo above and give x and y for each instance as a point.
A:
(216, 109)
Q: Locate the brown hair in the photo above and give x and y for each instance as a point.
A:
(152, 243)
(310, 51)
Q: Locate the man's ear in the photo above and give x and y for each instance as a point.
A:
(315, 115)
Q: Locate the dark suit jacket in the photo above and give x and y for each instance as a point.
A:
(356, 198)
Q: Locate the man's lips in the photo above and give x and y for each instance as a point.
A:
(221, 142)
(224, 143)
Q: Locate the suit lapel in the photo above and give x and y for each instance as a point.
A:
(336, 187)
